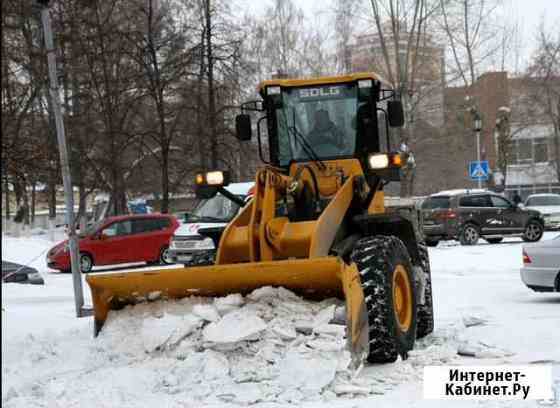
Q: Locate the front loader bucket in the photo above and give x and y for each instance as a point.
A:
(317, 278)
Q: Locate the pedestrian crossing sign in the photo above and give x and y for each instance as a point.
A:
(478, 170)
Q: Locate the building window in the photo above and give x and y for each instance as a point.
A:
(528, 151)
(524, 151)
(541, 150)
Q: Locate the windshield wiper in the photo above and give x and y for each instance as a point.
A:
(304, 143)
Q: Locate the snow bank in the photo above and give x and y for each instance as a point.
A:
(235, 349)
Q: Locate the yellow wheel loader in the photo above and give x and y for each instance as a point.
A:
(317, 223)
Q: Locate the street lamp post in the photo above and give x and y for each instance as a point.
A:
(64, 162)
(477, 129)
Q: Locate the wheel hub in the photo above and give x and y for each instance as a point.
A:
(402, 298)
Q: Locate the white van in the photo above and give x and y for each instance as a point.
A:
(189, 247)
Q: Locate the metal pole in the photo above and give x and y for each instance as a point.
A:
(478, 155)
(65, 165)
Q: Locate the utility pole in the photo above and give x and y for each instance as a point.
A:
(64, 162)
(477, 129)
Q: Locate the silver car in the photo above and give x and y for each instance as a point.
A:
(541, 265)
(549, 206)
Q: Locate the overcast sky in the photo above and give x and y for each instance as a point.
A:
(528, 12)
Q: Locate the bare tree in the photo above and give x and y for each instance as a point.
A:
(544, 74)
(344, 25)
(401, 27)
(159, 49)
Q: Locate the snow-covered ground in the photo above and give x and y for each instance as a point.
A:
(270, 348)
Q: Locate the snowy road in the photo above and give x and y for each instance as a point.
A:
(50, 359)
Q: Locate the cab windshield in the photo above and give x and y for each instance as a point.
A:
(216, 209)
(323, 118)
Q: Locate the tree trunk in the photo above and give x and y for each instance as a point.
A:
(52, 196)
(33, 201)
(201, 131)
(82, 208)
(211, 96)
(165, 180)
(7, 197)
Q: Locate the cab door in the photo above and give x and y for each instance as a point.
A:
(509, 217)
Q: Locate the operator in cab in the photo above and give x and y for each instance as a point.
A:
(325, 131)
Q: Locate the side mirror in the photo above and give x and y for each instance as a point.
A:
(186, 216)
(395, 113)
(520, 205)
(102, 237)
(243, 130)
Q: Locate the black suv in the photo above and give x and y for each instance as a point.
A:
(468, 215)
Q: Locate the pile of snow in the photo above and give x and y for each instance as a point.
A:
(270, 346)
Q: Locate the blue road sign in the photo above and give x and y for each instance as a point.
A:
(478, 170)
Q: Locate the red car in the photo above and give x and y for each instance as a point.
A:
(122, 239)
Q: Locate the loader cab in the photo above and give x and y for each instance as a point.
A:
(328, 118)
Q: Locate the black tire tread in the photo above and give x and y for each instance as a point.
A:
(373, 256)
(425, 315)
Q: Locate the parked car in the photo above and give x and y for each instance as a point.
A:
(13, 272)
(121, 239)
(549, 206)
(468, 215)
(541, 266)
(194, 242)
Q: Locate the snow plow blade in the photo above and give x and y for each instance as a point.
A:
(317, 278)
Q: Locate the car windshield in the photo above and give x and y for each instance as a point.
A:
(543, 200)
(322, 118)
(216, 209)
(433, 203)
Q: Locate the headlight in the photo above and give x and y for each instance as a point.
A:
(215, 178)
(205, 244)
(378, 161)
(212, 178)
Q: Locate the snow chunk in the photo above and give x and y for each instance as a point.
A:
(262, 293)
(233, 327)
(207, 312)
(244, 394)
(188, 324)
(155, 295)
(283, 329)
(324, 316)
(470, 321)
(330, 329)
(156, 332)
(305, 372)
(216, 365)
(350, 389)
(228, 303)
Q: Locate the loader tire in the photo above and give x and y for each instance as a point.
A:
(389, 291)
(425, 312)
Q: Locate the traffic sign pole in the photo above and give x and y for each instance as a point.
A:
(478, 155)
